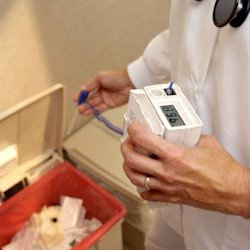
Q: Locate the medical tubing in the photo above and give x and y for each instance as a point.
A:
(171, 86)
(105, 121)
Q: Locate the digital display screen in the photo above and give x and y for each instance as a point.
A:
(172, 115)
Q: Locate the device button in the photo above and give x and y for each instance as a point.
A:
(156, 92)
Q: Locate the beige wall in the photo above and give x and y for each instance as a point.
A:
(43, 42)
(23, 65)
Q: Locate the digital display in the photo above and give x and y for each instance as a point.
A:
(172, 115)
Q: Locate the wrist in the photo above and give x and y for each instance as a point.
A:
(242, 201)
(247, 175)
(238, 191)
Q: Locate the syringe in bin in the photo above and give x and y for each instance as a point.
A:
(84, 99)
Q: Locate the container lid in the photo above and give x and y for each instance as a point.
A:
(35, 125)
(98, 150)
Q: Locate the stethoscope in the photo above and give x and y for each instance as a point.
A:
(233, 12)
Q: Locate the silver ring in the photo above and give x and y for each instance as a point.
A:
(146, 183)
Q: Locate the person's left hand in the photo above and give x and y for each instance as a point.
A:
(205, 176)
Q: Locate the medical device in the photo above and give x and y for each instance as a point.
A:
(233, 12)
(166, 111)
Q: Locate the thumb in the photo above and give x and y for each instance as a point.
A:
(144, 138)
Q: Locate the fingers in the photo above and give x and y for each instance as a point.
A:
(109, 89)
(153, 195)
(144, 138)
(159, 191)
(136, 178)
(91, 86)
(140, 162)
(95, 100)
(102, 107)
(154, 183)
(86, 110)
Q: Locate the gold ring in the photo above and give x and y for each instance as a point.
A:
(146, 183)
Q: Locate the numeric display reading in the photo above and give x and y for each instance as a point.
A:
(172, 115)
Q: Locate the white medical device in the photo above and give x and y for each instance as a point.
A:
(166, 111)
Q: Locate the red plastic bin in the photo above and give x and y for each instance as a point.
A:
(62, 180)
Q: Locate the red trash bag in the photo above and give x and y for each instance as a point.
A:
(62, 180)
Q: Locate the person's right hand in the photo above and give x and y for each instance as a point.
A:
(109, 89)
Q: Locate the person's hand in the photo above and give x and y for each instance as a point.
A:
(108, 89)
(205, 176)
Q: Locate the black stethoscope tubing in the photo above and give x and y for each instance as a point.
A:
(233, 12)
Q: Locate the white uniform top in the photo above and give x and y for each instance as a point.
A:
(212, 66)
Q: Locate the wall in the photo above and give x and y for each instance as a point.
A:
(43, 42)
(23, 64)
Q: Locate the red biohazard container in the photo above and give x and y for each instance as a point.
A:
(62, 180)
(41, 177)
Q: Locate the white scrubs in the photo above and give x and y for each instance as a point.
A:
(212, 66)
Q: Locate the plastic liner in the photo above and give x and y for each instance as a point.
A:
(139, 214)
(62, 180)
